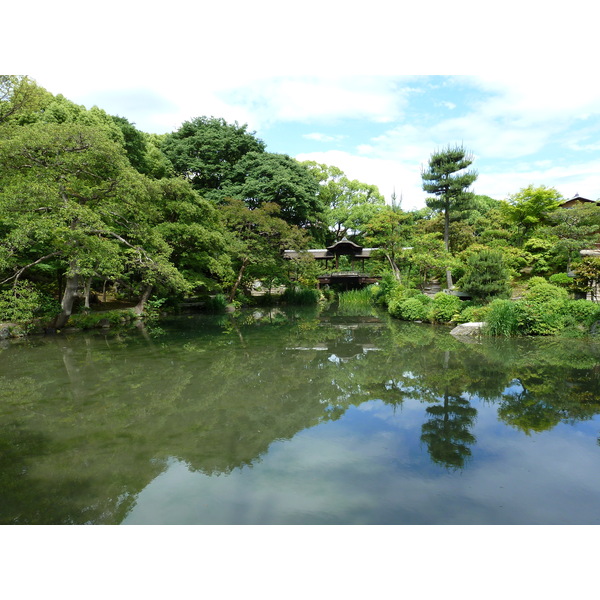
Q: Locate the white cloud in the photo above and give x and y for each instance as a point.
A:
(514, 121)
(323, 137)
(310, 99)
(448, 105)
(387, 174)
(581, 178)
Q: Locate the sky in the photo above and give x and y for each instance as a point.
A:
(382, 129)
(374, 92)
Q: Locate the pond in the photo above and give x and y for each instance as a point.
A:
(296, 416)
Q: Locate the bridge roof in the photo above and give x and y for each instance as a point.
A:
(323, 253)
(343, 246)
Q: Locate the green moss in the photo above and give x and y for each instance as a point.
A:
(94, 320)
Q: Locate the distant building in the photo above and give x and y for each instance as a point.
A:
(346, 279)
(576, 200)
(333, 252)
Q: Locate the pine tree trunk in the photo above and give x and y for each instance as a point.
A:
(449, 282)
(447, 230)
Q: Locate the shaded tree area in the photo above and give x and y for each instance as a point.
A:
(70, 195)
(89, 202)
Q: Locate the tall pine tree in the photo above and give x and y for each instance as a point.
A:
(448, 179)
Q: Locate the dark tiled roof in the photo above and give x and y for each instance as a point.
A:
(323, 253)
(577, 198)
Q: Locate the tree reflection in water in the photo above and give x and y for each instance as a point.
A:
(447, 433)
(88, 421)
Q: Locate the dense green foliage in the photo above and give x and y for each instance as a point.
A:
(485, 276)
(300, 295)
(206, 150)
(93, 209)
(545, 309)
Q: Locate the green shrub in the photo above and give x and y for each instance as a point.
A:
(541, 318)
(401, 293)
(561, 280)
(543, 291)
(444, 307)
(486, 277)
(415, 293)
(581, 312)
(409, 309)
(388, 287)
(533, 281)
(473, 314)
(24, 304)
(551, 317)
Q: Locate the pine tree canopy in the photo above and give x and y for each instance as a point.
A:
(446, 178)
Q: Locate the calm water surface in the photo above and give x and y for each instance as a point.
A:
(295, 416)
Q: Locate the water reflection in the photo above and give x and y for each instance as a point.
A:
(93, 425)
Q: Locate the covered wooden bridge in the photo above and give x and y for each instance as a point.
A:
(354, 278)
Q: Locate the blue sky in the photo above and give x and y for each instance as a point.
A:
(519, 94)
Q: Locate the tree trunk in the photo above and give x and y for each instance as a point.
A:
(59, 284)
(70, 293)
(394, 266)
(449, 282)
(447, 230)
(239, 279)
(139, 307)
(87, 286)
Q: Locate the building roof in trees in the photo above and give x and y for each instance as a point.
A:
(344, 246)
(576, 199)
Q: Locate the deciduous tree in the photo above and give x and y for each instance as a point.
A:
(69, 193)
(530, 207)
(256, 240)
(348, 204)
(206, 149)
(260, 178)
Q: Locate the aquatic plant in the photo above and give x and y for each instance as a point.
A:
(503, 318)
(299, 295)
(363, 296)
(217, 303)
